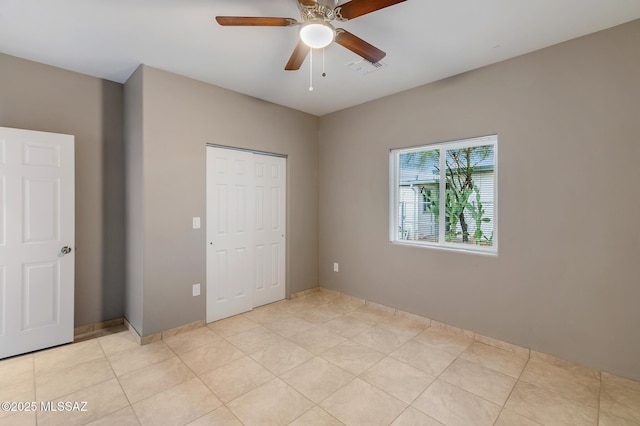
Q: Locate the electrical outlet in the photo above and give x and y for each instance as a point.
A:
(336, 267)
(196, 223)
(196, 290)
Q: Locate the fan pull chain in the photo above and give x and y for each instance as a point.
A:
(324, 74)
(311, 70)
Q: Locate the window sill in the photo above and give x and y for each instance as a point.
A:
(490, 252)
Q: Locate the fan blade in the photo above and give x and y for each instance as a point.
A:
(307, 2)
(255, 21)
(356, 8)
(359, 46)
(297, 57)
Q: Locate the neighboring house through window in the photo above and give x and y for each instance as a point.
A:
(462, 173)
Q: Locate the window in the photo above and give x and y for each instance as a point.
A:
(463, 174)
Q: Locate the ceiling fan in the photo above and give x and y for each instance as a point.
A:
(316, 30)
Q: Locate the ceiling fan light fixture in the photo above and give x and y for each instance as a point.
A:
(317, 34)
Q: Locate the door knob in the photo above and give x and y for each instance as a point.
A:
(65, 250)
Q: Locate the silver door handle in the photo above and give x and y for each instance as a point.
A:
(65, 250)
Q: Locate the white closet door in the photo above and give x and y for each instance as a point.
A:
(246, 207)
(230, 225)
(270, 211)
(36, 240)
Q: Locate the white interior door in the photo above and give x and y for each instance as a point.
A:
(36, 236)
(270, 210)
(229, 233)
(246, 205)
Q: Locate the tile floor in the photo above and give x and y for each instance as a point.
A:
(323, 359)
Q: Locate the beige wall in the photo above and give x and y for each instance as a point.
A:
(180, 116)
(39, 97)
(565, 281)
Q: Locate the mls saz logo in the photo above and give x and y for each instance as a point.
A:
(64, 406)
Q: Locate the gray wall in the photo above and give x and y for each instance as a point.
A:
(40, 97)
(134, 221)
(565, 281)
(180, 116)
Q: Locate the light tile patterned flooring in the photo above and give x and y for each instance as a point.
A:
(323, 359)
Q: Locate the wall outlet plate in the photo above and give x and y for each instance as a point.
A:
(336, 267)
(196, 223)
(196, 290)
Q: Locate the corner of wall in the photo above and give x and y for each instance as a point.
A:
(134, 218)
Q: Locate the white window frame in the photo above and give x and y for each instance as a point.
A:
(394, 185)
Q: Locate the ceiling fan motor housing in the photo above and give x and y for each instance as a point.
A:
(328, 3)
(321, 10)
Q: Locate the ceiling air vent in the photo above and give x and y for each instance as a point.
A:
(365, 67)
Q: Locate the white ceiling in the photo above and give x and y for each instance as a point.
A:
(425, 40)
